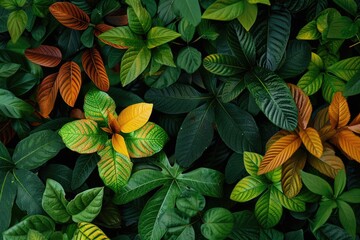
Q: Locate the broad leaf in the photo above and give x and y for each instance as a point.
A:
(348, 5)
(331, 85)
(87, 230)
(249, 15)
(139, 19)
(16, 24)
(189, 59)
(268, 209)
(44, 55)
(328, 163)
(69, 80)
(46, 94)
(323, 213)
(190, 202)
(70, 15)
(309, 32)
(351, 196)
(311, 82)
(8, 69)
(345, 69)
(293, 204)
(312, 142)
(159, 35)
(13, 107)
(189, 10)
(352, 87)
(7, 197)
(122, 37)
(248, 188)
(95, 69)
(333, 232)
(252, 162)
(317, 185)
(339, 113)
(84, 166)
(223, 65)
(134, 117)
(224, 10)
(101, 28)
(303, 104)
(349, 143)
(98, 105)
(218, 223)
(231, 90)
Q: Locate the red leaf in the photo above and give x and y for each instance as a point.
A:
(47, 56)
(70, 15)
(46, 94)
(69, 80)
(101, 28)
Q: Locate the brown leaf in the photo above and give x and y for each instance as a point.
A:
(117, 18)
(312, 142)
(279, 152)
(95, 69)
(69, 80)
(44, 55)
(7, 133)
(349, 143)
(326, 133)
(46, 94)
(303, 104)
(101, 28)
(355, 121)
(321, 118)
(291, 180)
(339, 112)
(70, 15)
(77, 113)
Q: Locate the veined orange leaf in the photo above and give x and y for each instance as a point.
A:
(303, 104)
(321, 118)
(119, 144)
(339, 112)
(349, 143)
(44, 55)
(326, 133)
(276, 137)
(312, 141)
(87, 230)
(355, 124)
(70, 15)
(95, 69)
(46, 94)
(101, 28)
(134, 116)
(114, 168)
(83, 136)
(356, 120)
(291, 180)
(279, 152)
(328, 163)
(69, 80)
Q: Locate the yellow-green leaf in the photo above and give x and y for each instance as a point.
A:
(16, 24)
(252, 162)
(248, 188)
(309, 32)
(134, 116)
(87, 231)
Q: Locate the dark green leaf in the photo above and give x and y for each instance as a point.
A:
(189, 10)
(8, 69)
(5, 159)
(190, 202)
(7, 197)
(165, 11)
(69, 42)
(218, 223)
(348, 5)
(347, 217)
(186, 29)
(246, 226)
(189, 59)
(295, 235)
(58, 172)
(351, 196)
(352, 87)
(177, 225)
(87, 37)
(13, 107)
(332, 232)
(84, 166)
(342, 28)
(168, 77)
(21, 83)
(223, 65)
(235, 169)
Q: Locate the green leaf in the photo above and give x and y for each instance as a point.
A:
(177, 225)
(342, 28)
(311, 82)
(189, 59)
(178, 98)
(293, 204)
(87, 230)
(295, 235)
(249, 15)
(237, 128)
(351, 196)
(84, 166)
(140, 183)
(316, 184)
(139, 19)
(21, 83)
(166, 11)
(16, 24)
(122, 36)
(5, 159)
(352, 87)
(345, 69)
(168, 77)
(186, 29)
(347, 217)
(160, 35)
(339, 183)
(83, 136)
(323, 213)
(348, 5)
(333, 232)
(35, 235)
(252, 162)
(268, 209)
(207, 30)
(273, 97)
(206, 181)
(223, 65)
(133, 63)
(224, 10)
(309, 32)
(29, 191)
(86, 205)
(231, 90)
(190, 202)
(9, 4)
(248, 188)
(8, 69)
(58, 172)
(195, 135)
(7, 197)
(13, 107)
(246, 226)
(189, 10)
(37, 149)
(42, 224)
(69, 42)
(218, 223)
(54, 202)
(164, 56)
(114, 168)
(87, 37)
(331, 85)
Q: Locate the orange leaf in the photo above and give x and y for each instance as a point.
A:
(328, 163)
(303, 104)
(321, 118)
(311, 140)
(339, 112)
(355, 124)
(113, 123)
(134, 116)
(291, 180)
(101, 28)
(46, 94)
(326, 133)
(276, 137)
(349, 143)
(7, 133)
(95, 69)
(69, 80)
(356, 120)
(118, 143)
(47, 56)
(70, 15)
(279, 152)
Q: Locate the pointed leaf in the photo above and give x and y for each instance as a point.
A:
(345, 69)
(84, 166)
(303, 104)
(252, 162)
(248, 188)
(339, 183)
(268, 209)
(44, 55)
(339, 113)
(218, 223)
(348, 5)
(316, 184)
(224, 10)
(323, 213)
(69, 80)
(293, 204)
(138, 17)
(311, 82)
(46, 94)
(101, 28)
(312, 142)
(351, 196)
(87, 230)
(120, 36)
(273, 97)
(309, 32)
(349, 143)
(223, 65)
(249, 15)
(83, 136)
(347, 217)
(95, 69)
(7, 197)
(189, 10)
(231, 90)
(331, 85)
(134, 117)
(13, 107)
(321, 118)
(279, 152)
(16, 24)
(119, 145)
(98, 105)
(70, 15)
(159, 35)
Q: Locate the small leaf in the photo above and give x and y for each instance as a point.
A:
(44, 55)
(138, 17)
(13, 107)
(349, 143)
(69, 80)
(46, 94)
(339, 183)
(248, 188)
(311, 139)
(252, 162)
(268, 209)
(70, 15)
(8, 69)
(119, 145)
(223, 65)
(95, 68)
(293, 204)
(87, 230)
(347, 217)
(249, 15)
(134, 117)
(317, 185)
(218, 223)
(303, 104)
(323, 213)
(16, 24)
(189, 59)
(224, 10)
(339, 113)
(159, 35)
(331, 85)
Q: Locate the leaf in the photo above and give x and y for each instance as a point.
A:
(252, 162)
(39, 223)
(232, 90)
(16, 24)
(224, 10)
(160, 35)
(190, 202)
(13, 107)
(303, 104)
(5, 159)
(36, 149)
(120, 36)
(317, 185)
(279, 152)
(69, 80)
(119, 145)
(273, 97)
(195, 135)
(189, 10)
(347, 217)
(236, 128)
(293, 204)
(311, 82)
(134, 117)
(345, 69)
(348, 5)
(249, 15)
(114, 168)
(70, 15)
(351, 196)
(349, 143)
(247, 226)
(352, 87)
(98, 105)
(86, 205)
(330, 86)
(83, 136)
(46, 94)
(44, 55)
(95, 68)
(87, 230)
(84, 166)
(321, 118)
(189, 59)
(138, 17)
(339, 183)
(218, 223)
(334, 232)
(101, 28)
(248, 188)
(341, 27)
(54, 202)
(311, 139)
(7, 197)
(339, 113)
(309, 32)
(133, 63)
(146, 141)
(35, 235)
(223, 65)
(8, 69)
(268, 209)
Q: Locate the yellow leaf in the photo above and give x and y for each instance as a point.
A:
(279, 152)
(303, 104)
(134, 117)
(349, 143)
(339, 112)
(321, 118)
(118, 143)
(311, 140)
